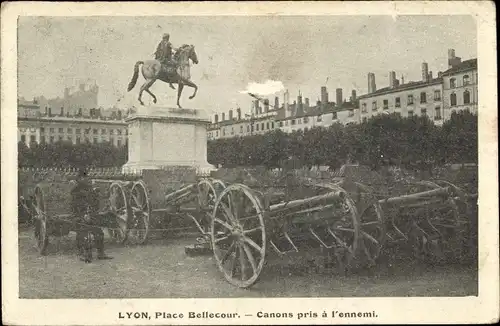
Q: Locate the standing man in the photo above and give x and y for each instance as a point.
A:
(85, 204)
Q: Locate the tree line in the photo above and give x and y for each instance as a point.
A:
(64, 154)
(413, 142)
(383, 140)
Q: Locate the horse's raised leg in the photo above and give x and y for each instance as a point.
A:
(145, 87)
(190, 84)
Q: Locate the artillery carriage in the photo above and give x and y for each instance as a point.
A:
(351, 216)
(127, 202)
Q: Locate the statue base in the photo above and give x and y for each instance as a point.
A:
(162, 137)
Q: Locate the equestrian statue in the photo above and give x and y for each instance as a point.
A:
(167, 68)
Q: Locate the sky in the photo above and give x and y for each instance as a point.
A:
(302, 52)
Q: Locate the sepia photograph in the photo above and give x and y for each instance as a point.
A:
(216, 156)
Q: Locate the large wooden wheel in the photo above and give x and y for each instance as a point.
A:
(218, 185)
(372, 225)
(343, 226)
(238, 235)
(439, 230)
(118, 205)
(40, 230)
(141, 211)
(206, 196)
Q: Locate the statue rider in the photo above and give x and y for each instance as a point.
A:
(164, 52)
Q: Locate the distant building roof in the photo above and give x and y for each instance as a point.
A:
(403, 87)
(318, 110)
(23, 102)
(463, 66)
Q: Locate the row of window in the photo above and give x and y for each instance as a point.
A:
(423, 112)
(53, 139)
(466, 98)
(437, 97)
(270, 125)
(87, 131)
(397, 101)
(465, 81)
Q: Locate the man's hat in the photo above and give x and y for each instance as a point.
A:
(166, 35)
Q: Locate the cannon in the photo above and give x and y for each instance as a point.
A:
(352, 215)
(128, 202)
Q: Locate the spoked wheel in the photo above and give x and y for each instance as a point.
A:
(439, 232)
(118, 205)
(238, 235)
(218, 185)
(141, 211)
(343, 226)
(372, 226)
(40, 230)
(207, 196)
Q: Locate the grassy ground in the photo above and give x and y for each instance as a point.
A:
(161, 269)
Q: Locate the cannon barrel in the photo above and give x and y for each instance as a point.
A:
(311, 201)
(416, 197)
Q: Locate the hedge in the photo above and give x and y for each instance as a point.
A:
(414, 142)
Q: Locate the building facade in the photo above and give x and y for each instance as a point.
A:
(55, 129)
(35, 125)
(460, 88)
(453, 90)
(415, 98)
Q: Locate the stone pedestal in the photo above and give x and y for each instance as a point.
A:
(162, 137)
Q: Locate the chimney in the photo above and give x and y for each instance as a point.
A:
(230, 114)
(324, 95)
(285, 103)
(402, 80)
(451, 54)
(425, 71)
(50, 112)
(339, 97)
(276, 103)
(392, 79)
(266, 105)
(372, 86)
(256, 106)
(306, 103)
(353, 95)
(238, 113)
(430, 76)
(62, 112)
(223, 118)
(216, 118)
(46, 110)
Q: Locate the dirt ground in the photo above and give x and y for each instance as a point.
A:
(161, 269)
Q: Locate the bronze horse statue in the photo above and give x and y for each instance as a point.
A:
(153, 70)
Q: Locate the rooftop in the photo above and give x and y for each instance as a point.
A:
(72, 119)
(463, 66)
(406, 86)
(23, 102)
